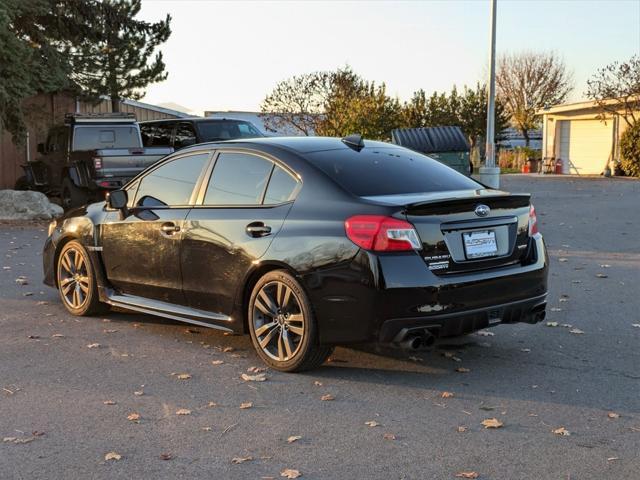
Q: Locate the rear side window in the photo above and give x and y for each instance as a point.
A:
(157, 135)
(281, 187)
(185, 136)
(389, 171)
(238, 179)
(172, 183)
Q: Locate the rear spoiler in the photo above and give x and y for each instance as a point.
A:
(500, 200)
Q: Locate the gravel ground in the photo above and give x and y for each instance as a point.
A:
(68, 386)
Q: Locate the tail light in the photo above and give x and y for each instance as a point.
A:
(97, 163)
(381, 234)
(533, 221)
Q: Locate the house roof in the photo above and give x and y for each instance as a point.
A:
(570, 107)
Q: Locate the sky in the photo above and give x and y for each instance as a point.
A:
(228, 55)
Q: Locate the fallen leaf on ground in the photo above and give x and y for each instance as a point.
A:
(42, 302)
(228, 349)
(327, 398)
(260, 377)
(183, 411)
(415, 359)
(602, 275)
(447, 394)
(138, 393)
(562, 259)
(206, 429)
(93, 345)
(184, 376)
(611, 459)
(22, 281)
(212, 404)
(109, 402)
(18, 440)
(237, 460)
(462, 429)
(244, 406)
(36, 433)
(462, 370)
(134, 417)
(217, 362)
(566, 325)
(290, 473)
(613, 415)
(485, 333)
(293, 438)
(191, 330)
(561, 431)
(110, 331)
(371, 423)
(577, 331)
(492, 423)
(637, 325)
(256, 369)
(389, 436)
(112, 456)
(525, 350)
(33, 337)
(467, 475)
(319, 384)
(57, 335)
(605, 266)
(556, 309)
(166, 456)
(552, 324)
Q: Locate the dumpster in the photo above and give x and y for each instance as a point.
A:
(445, 144)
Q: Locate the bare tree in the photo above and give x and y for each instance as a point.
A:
(619, 82)
(529, 81)
(297, 102)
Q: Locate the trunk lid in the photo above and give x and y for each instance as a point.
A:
(466, 230)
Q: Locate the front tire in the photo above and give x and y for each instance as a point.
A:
(77, 284)
(282, 325)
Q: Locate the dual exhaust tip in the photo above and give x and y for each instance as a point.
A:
(417, 341)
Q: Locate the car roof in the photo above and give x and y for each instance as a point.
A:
(297, 144)
(194, 119)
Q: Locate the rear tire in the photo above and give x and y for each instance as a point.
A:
(72, 196)
(77, 284)
(282, 324)
(22, 184)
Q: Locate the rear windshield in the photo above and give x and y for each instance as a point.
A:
(389, 171)
(226, 130)
(105, 136)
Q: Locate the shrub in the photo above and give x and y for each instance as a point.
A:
(630, 151)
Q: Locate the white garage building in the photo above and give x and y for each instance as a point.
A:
(585, 144)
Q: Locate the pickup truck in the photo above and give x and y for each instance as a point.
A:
(87, 156)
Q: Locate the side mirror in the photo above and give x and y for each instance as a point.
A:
(117, 199)
(41, 148)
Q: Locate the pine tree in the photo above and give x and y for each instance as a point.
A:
(119, 61)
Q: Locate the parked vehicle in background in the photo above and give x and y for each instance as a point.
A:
(87, 156)
(184, 132)
(446, 144)
(305, 243)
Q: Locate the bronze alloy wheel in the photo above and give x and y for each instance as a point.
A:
(76, 281)
(282, 324)
(278, 321)
(73, 278)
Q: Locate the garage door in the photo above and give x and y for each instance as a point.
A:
(585, 146)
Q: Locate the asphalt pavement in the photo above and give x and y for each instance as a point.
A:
(167, 398)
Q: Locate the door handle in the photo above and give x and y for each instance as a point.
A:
(169, 228)
(258, 229)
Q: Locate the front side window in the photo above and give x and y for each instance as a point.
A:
(215, 130)
(156, 135)
(238, 179)
(105, 136)
(172, 183)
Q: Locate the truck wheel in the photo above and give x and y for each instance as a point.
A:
(22, 184)
(72, 196)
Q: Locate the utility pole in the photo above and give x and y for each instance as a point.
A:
(489, 174)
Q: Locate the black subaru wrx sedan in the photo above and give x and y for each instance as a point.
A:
(305, 243)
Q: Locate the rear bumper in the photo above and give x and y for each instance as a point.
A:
(531, 310)
(377, 296)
